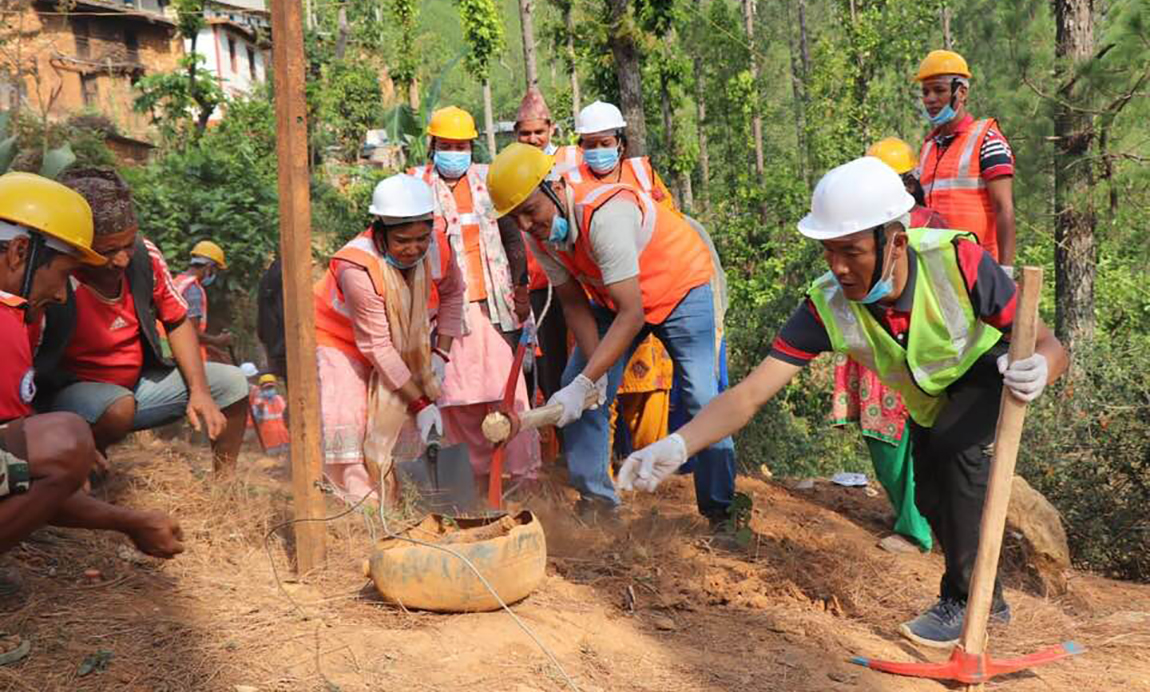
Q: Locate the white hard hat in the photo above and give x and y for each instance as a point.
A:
(854, 197)
(402, 198)
(249, 369)
(598, 117)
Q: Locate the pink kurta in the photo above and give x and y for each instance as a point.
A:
(344, 380)
(472, 387)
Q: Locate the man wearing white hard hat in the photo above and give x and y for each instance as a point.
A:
(374, 312)
(879, 303)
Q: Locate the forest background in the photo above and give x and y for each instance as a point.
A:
(741, 106)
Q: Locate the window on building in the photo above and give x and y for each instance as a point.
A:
(89, 89)
(252, 64)
(232, 54)
(132, 43)
(81, 33)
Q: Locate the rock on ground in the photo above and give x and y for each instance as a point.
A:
(1043, 538)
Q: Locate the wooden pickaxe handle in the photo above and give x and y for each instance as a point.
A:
(530, 419)
(1011, 415)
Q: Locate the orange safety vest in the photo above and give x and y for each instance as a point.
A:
(333, 319)
(635, 172)
(468, 224)
(672, 257)
(569, 156)
(267, 412)
(182, 283)
(952, 181)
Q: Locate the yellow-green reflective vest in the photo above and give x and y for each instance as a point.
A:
(945, 338)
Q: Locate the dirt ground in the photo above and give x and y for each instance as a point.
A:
(786, 614)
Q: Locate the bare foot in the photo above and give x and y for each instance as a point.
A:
(157, 534)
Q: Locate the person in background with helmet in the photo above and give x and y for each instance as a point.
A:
(966, 166)
(495, 309)
(603, 143)
(45, 234)
(101, 356)
(206, 264)
(648, 271)
(268, 411)
(375, 307)
(533, 126)
(898, 155)
(879, 303)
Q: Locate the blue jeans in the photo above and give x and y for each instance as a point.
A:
(689, 335)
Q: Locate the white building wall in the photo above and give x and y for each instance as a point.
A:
(212, 45)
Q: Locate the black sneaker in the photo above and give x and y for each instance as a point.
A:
(941, 625)
(596, 511)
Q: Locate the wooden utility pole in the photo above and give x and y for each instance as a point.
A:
(295, 249)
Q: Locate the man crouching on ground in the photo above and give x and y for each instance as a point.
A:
(101, 357)
(46, 233)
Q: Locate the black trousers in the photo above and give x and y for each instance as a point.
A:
(553, 342)
(952, 469)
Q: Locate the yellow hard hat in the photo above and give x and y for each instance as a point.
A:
(452, 123)
(53, 209)
(209, 250)
(940, 62)
(895, 153)
(267, 378)
(514, 175)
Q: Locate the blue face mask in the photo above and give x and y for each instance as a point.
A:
(943, 117)
(602, 160)
(400, 265)
(883, 287)
(452, 164)
(559, 229)
(208, 280)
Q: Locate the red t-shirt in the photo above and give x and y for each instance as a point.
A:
(17, 387)
(106, 344)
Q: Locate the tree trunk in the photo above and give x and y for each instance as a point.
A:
(669, 137)
(798, 92)
(701, 126)
(413, 94)
(756, 114)
(569, 22)
(488, 118)
(804, 47)
(1074, 252)
(947, 41)
(341, 37)
(528, 43)
(628, 70)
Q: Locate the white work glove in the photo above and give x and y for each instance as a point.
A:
(438, 365)
(1024, 378)
(573, 397)
(646, 468)
(428, 419)
(1008, 269)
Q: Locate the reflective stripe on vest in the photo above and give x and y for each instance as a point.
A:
(182, 283)
(672, 258)
(954, 186)
(332, 317)
(945, 338)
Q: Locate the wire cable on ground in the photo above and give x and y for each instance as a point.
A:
(387, 530)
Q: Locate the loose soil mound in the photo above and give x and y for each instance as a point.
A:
(649, 604)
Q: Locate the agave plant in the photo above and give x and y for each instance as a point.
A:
(53, 163)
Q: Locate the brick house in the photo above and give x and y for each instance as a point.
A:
(87, 58)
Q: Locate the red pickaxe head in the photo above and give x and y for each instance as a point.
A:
(971, 668)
